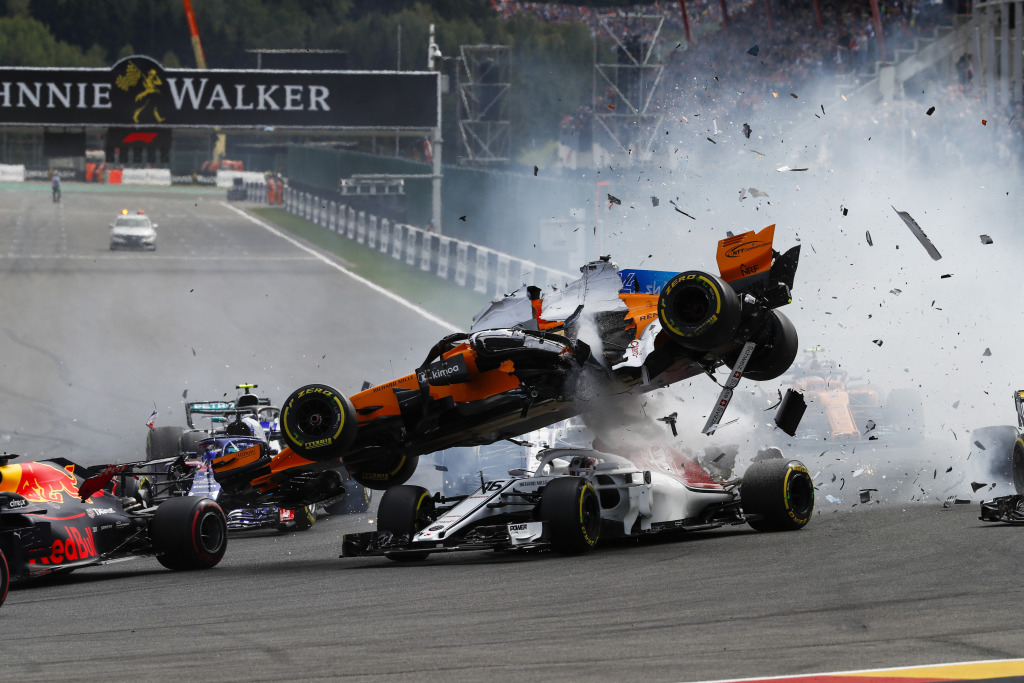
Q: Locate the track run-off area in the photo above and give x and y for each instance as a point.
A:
(95, 341)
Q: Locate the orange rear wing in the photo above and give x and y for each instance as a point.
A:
(746, 262)
(746, 255)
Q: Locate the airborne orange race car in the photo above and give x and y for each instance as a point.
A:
(527, 361)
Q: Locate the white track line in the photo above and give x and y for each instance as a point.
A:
(341, 269)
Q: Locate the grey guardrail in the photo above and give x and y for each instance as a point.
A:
(467, 264)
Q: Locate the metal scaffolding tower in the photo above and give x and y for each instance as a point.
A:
(483, 80)
(625, 119)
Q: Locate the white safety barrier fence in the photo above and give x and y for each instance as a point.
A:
(11, 173)
(467, 264)
(160, 177)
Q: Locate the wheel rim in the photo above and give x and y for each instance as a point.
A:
(312, 417)
(692, 306)
(801, 494)
(211, 533)
(590, 512)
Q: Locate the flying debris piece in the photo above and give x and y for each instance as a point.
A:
(747, 130)
(535, 169)
(957, 404)
(876, 341)
(614, 200)
(193, 350)
(988, 352)
(440, 468)
(845, 211)
(670, 420)
(728, 233)
(872, 438)
(896, 291)
(754, 192)
(953, 500)
(462, 218)
(858, 472)
(184, 394)
(865, 495)
(949, 469)
(867, 234)
(725, 396)
(842, 483)
(869, 426)
(793, 95)
(832, 499)
(777, 404)
(712, 141)
(822, 109)
(977, 485)
(943, 277)
(753, 51)
(787, 168)
(919, 234)
(790, 412)
(655, 201)
(931, 110)
(680, 210)
(833, 478)
(743, 193)
(985, 239)
(984, 122)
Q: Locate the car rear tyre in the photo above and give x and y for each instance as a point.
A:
(164, 442)
(1017, 464)
(777, 495)
(403, 511)
(5, 577)
(572, 510)
(318, 423)
(189, 442)
(383, 469)
(698, 310)
(305, 517)
(776, 349)
(356, 500)
(189, 533)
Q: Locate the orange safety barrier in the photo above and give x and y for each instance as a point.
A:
(114, 177)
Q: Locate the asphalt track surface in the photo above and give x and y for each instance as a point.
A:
(92, 340)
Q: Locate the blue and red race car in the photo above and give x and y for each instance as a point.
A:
(52, 522)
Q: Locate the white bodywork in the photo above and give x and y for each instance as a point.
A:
(133, 231)
(640, 493)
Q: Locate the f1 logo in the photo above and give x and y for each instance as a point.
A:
(139, 137)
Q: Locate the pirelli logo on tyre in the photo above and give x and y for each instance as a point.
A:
(793, 470)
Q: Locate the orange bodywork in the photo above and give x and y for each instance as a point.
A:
(381, 401)
(232, 461)
(283, 461)
(745, 255)
(641, 311)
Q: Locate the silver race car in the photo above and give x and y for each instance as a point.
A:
(133, 231)
(576, 496)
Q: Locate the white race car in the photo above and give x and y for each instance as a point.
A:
(576, 496)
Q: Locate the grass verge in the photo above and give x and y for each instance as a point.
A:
(443, 298)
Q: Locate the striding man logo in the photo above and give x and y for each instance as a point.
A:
(144, 85)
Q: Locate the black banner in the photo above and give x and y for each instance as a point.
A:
(139, 92)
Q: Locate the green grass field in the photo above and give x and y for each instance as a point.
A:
(443, 298)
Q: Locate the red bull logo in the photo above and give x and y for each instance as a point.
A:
(78, 545)
(39, 482)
